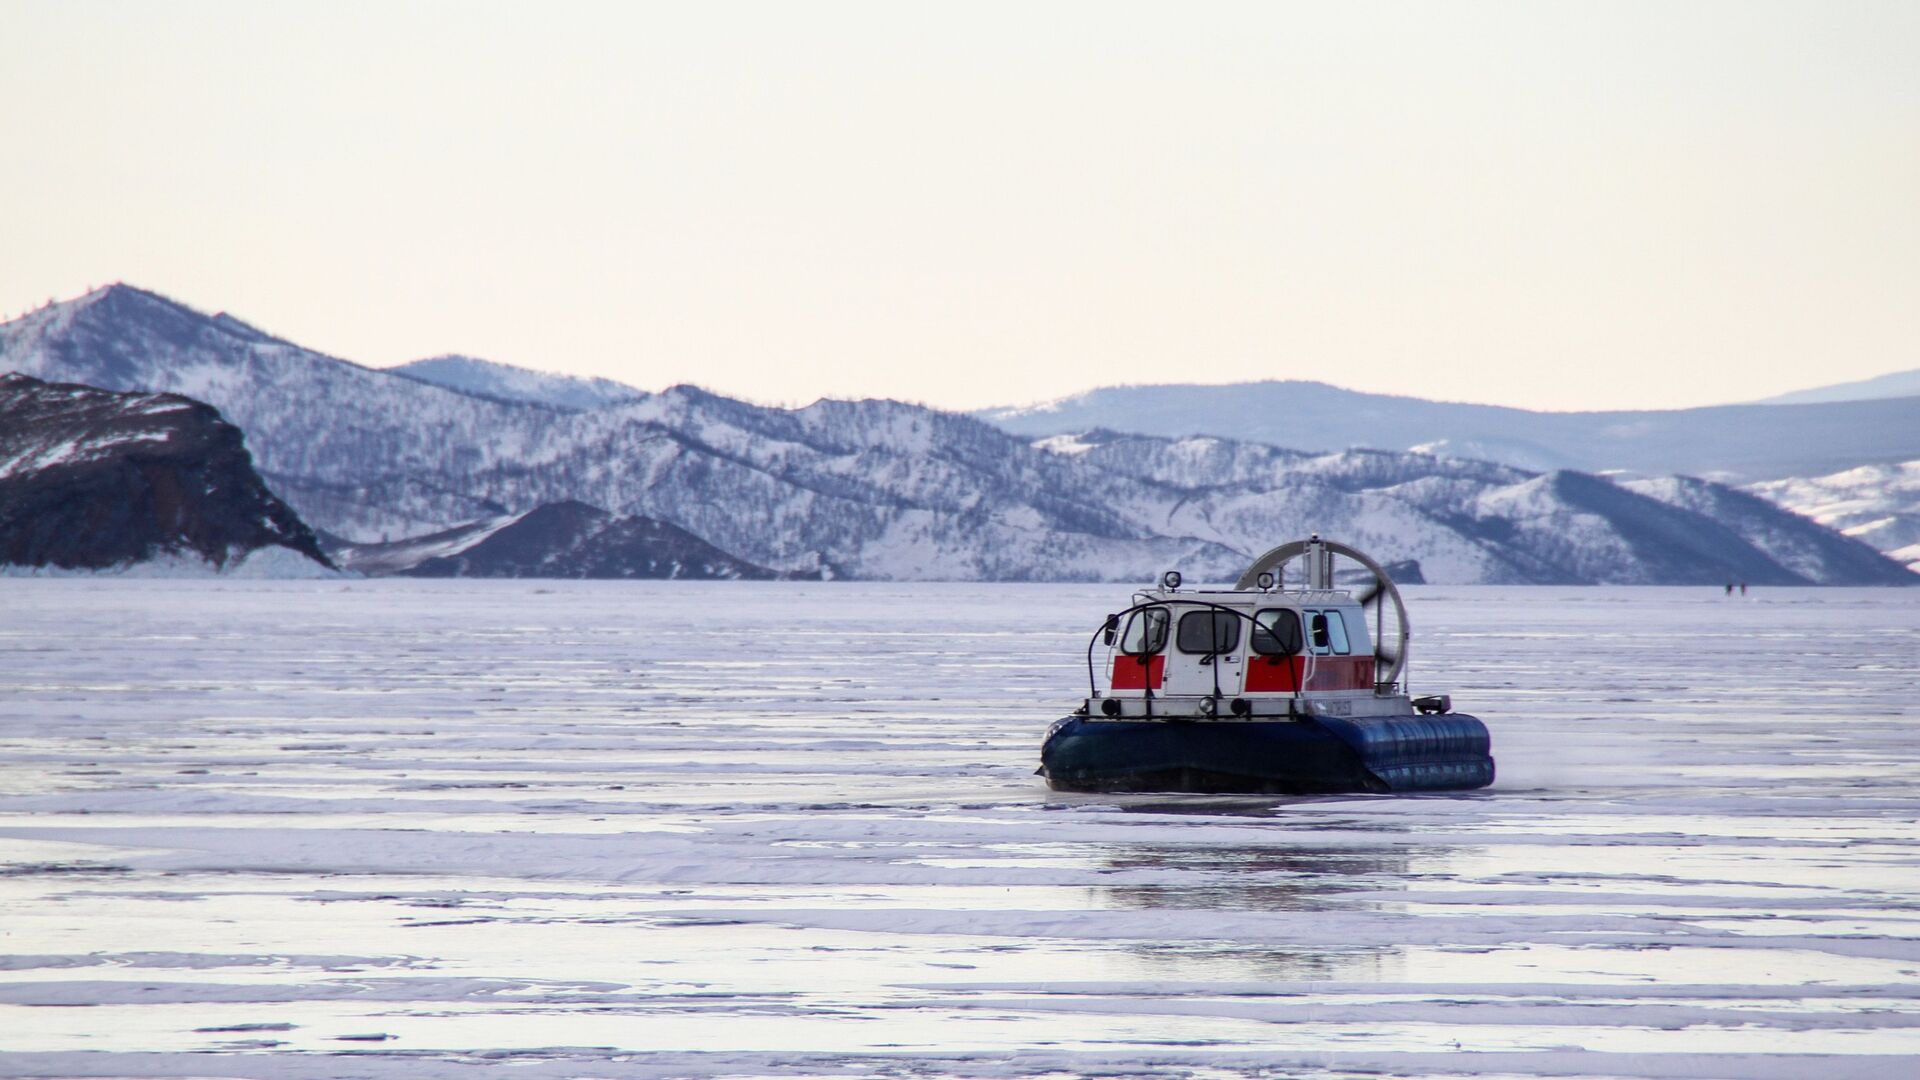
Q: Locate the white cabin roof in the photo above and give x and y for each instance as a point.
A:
(1245, 597)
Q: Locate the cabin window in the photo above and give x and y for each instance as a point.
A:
(1328, 633)
(1209, 632)
(1276, 632)
(1146, 632)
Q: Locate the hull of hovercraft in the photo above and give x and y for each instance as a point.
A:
(1308, 755)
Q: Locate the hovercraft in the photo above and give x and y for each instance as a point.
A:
(1265, 689)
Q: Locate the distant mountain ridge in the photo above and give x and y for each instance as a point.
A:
(1895, 384)
(558, 540)
(504, 382)
(1741, 443)
(1474, 520)
(881, 489)
(1876, 504)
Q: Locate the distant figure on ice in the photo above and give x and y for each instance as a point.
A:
(1743, 588)
(1729, 588)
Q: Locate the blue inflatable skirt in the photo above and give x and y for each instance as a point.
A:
(1303, 755)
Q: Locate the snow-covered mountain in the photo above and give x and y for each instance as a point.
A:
(381, 558)
(1479, 521)
(1736, 443)
(356, 451)
(874, 489)
(508, 383)
(558, 540)
(95, 480)
(1781, 534)
(1877, 504)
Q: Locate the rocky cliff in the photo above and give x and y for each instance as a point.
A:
(94, 480)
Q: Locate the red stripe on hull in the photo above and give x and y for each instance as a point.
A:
(1130, 674)
(1269, 674)
(1281, 674)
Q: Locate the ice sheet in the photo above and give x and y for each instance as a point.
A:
(424, 829)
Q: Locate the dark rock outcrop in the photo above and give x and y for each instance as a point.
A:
(91, 479)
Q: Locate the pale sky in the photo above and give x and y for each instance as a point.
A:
(1556, 206)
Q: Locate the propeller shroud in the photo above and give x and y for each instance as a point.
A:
(1389, 642)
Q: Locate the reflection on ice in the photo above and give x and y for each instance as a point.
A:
(1276, 878)
(442, 826)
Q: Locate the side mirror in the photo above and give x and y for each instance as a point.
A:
(1111, 630)
(1321, 639)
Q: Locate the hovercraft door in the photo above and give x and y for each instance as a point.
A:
(1206, 644)
(1139, 660)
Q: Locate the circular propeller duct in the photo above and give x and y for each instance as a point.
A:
(1386, 611)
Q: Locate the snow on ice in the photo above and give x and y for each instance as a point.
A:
(540, 829)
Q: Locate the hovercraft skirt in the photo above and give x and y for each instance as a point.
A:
(1308, 755)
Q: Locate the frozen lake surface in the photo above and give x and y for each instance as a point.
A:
(464, 829)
